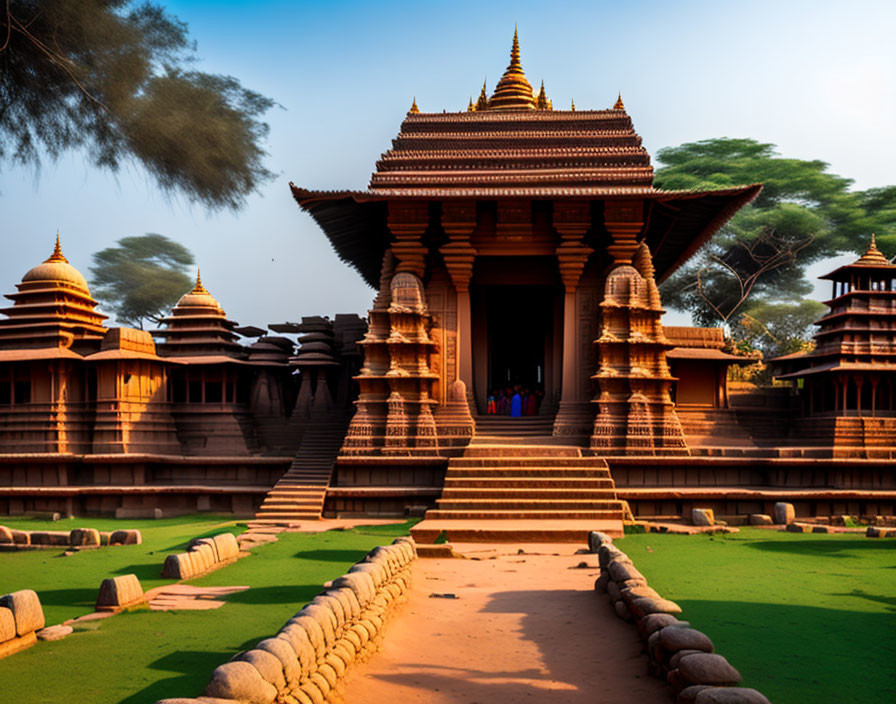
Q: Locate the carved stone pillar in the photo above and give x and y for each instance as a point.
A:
(571, 221)
(458, 222)
(624, 221)
(407, 222)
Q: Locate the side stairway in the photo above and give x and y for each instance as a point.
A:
(300, 492)
(524, 492)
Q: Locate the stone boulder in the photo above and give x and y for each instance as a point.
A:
(84, 537)
(624, 572)
(596, 538)
(798, 528)
(643, 606)
(126, 537)
(686, 696)
(241, 681)
(673, 639)
(760, 519)
(5, 536)
(179, 566)
(784, 513)
(730, 695)
(21, 537)
(708, 668)
(703, 517)
(26, 609)
(654, 622)
(7, 624)
(227, 546)
(119, 592)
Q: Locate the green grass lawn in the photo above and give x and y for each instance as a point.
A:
(804, 617)
(142, 656)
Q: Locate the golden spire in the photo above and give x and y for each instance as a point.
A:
(619, 104)
(414, 109)
(513, 92)
(57, 255)
(482, 102)
(542, 102)
(470, 106)
(873, 256)
(199, 288)
(573, 106)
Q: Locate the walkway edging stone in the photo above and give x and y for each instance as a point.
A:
(307, 660)
(681, 655)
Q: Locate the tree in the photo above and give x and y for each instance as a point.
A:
(804, 214)
(141, 278)
(113, 77)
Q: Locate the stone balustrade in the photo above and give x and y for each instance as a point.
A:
(20, 616)
(203, 555)
(681, 655)
(306, 661)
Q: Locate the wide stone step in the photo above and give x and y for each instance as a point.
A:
(289, 506)
(508, 493)
(533, 472)
(520, 482)
(604, 503)
(510, 461)
(489, 451)
(511, 515)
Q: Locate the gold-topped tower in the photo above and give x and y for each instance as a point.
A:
(513, 92)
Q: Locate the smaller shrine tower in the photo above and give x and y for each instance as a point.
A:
(848, 382)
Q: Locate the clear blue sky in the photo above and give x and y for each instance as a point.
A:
(815, 78)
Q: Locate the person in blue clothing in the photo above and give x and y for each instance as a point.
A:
(516, 404)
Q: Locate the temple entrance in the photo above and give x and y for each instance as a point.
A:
(517, 339)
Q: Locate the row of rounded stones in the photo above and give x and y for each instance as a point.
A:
(76, 537)
(682, 655)
(204, 554)
(305, 661)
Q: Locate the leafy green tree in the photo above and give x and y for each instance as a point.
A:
(113, 77)
(141, 278)
(776, 328)
(803, 214)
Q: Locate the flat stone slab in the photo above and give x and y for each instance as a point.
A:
(186, 597)
(514, 531)
(54, 632)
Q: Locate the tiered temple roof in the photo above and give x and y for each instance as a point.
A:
(198, 328)
(509, 148)
(859, 331)
(53, 308)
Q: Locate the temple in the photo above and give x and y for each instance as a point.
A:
(516, 251)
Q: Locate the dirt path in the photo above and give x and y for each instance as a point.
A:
(522, 628)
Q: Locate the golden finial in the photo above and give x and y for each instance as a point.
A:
(470, 106)
(541, 101)
(573, 106)
(873, 256)
(57, 255)
(619, 104)
(414, 109)
(513, 92)
(515, 51)
(198, 288)
(482, 102)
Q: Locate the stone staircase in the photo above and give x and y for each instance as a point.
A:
(505, 426)
(524, 491)
(301, 491)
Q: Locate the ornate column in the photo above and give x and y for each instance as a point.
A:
(571, 221)
(455, 420)
(407, 222)
(458, 222)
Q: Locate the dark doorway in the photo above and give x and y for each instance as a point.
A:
(518, 325)
(519, 320)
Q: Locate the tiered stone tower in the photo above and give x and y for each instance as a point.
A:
(848, 382)
(636, 415)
